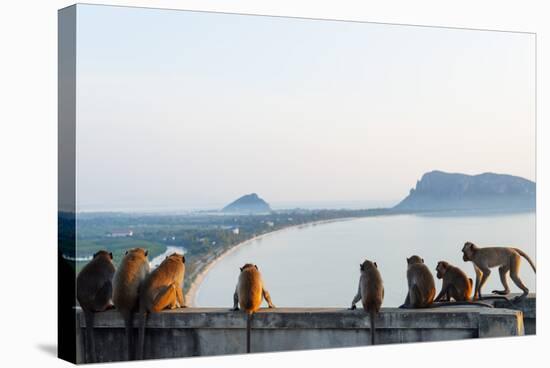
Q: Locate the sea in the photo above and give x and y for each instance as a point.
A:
(317, 265)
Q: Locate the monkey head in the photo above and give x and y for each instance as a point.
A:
(247, 266)
(441, 269)
(177, 257)
(415, 259)
(367, 265)
(468, 251)
(104, 254)
(138, 251)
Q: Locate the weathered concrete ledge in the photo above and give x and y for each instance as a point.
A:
(215, 331)
(529, 308)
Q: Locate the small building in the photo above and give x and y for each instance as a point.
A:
(120, 234)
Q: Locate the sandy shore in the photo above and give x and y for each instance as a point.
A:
(191, 295)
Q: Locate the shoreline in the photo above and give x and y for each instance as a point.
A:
(192, 292)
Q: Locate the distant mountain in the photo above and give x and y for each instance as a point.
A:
(249, 203)
(439, 190)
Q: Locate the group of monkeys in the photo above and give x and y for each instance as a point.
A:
(135, 288)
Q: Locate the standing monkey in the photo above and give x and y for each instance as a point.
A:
(133, 269)
(456, 285)
(421, 284)
(505, 258)
(248, 294)
(161, 289)
(370, 292)
(94, 290)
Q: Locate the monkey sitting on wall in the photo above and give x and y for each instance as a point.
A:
(94, 290)
(131, 272)
(505, 258)
(161, 289)
(370, 292)
(456, 285)
(421, 284)
(248, 294)
(422, 288)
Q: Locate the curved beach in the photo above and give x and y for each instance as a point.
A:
(190, 296)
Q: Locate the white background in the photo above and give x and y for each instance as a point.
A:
(28, 184)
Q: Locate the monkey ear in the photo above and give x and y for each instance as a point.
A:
(146, 252)
(422, 260)
(125, 253)
(361, 267)
(241, 268)
(111, 255)
(375, 265)
(183, 258)
(408, 259)
(95, 254)
(256, 266)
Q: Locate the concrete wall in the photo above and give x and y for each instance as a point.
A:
(212, 331)
(529, 308)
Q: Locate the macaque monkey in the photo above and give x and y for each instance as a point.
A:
(505, 258)
(421, 284)
(370, 292)
(131, 272)
(94, 291)
(248, 294)
(456, 285)
(161, 289)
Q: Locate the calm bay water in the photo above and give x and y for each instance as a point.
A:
(318, 265)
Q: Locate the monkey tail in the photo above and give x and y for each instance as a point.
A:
(90, 340)
(498, 297)
(524, 255)
(466, 303)
(129, 324)
(141, 336)
(248, 328)
(372, 314)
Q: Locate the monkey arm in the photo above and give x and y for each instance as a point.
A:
(357, 297)
(235, 300)
(267, 297)
(180, 297)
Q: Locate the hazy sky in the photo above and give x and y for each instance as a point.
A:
(184, 109)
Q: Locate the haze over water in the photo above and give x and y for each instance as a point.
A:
(318, 265)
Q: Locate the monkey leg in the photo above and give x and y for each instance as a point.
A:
(102, 300)
(479, 274)
(514, 274)
(503, 271)
(455, 294)
(443, 294)
(166, 298)
(484, 277)
(407, 302)
(267, 298)
(415, 297)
